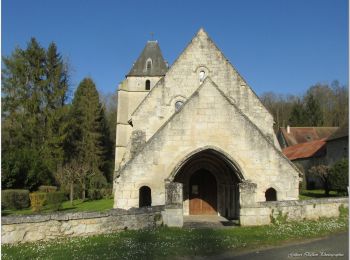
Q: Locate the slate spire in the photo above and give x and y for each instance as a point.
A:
(150, 62)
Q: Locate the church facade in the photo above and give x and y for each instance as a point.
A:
(196, 135)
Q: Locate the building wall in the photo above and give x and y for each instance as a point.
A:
(337, 149)
(310, 182)
(207, 119)
(130, 94)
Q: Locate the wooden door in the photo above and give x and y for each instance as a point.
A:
(203, 193)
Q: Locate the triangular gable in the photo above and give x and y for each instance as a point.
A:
(261, 143)
(176, 83)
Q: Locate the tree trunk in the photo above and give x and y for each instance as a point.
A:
(83, 192)
(71, 193)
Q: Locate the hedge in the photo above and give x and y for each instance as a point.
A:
(46, 200)
(96, 194)
(44, 188)
(15, 199)
(37, 201)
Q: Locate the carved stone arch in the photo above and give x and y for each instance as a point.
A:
(210, 179)
(219, 152)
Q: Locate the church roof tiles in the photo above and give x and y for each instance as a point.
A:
(150, 62)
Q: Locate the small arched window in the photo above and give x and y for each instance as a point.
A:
(271, 194)
(201, 75)
(149, 64)
(148, 85)
(145, 198)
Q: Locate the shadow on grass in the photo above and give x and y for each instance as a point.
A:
(319, 195)
(160, 243)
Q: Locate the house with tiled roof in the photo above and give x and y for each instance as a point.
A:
(338, 145)
(305, 147)
(288, 136)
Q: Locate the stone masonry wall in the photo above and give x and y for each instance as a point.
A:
(208, 119)
(20, 229)
(295, 210)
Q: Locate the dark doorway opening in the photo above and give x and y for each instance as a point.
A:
(145, 199)
(271, 194)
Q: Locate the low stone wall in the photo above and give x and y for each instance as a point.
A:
(30, 228)
(294, 210)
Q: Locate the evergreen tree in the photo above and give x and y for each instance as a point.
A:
(32, 79)
(313, 113)
(297, 116)
(85, 142)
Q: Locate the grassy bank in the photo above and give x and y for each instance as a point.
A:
(165, 243)
(78, 205)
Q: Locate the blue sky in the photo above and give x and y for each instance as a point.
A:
(283, 46)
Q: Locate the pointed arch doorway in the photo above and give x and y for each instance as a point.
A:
(203, 193)
(210, 184)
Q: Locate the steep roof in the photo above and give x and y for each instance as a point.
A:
(298, 135)
(306, 150)
(343, 131)
(150, 52)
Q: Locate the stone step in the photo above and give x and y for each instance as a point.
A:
(211, 224)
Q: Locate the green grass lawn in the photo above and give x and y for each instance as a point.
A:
(314, 194)
(78, 205)
(167, 243)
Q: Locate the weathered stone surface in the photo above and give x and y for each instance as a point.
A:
(50, 226)
(173, 195)
(262, 213)
(219, 112)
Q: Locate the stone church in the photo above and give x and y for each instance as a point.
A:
(195, 137)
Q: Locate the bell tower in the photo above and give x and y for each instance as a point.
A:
(149, 68)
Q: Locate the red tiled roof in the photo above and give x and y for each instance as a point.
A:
(298, 135)
(306, 150)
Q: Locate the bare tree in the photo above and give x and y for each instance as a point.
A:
(322, 172)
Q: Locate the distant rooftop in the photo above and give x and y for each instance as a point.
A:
(306, 150)
(298, 135)
(342, 132)
(150, 62)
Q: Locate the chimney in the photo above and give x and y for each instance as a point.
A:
(288, 129)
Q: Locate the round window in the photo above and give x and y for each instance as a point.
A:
(178, 104)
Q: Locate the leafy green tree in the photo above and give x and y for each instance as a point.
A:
(339, 176)
(24, 167)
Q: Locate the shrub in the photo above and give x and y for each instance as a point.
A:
(106, 193)
(24, 167)
(94, 194)
(54, 200)
(44, 188)
(37, 201)
(46, 200)
(339, 176)
(15, 199)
